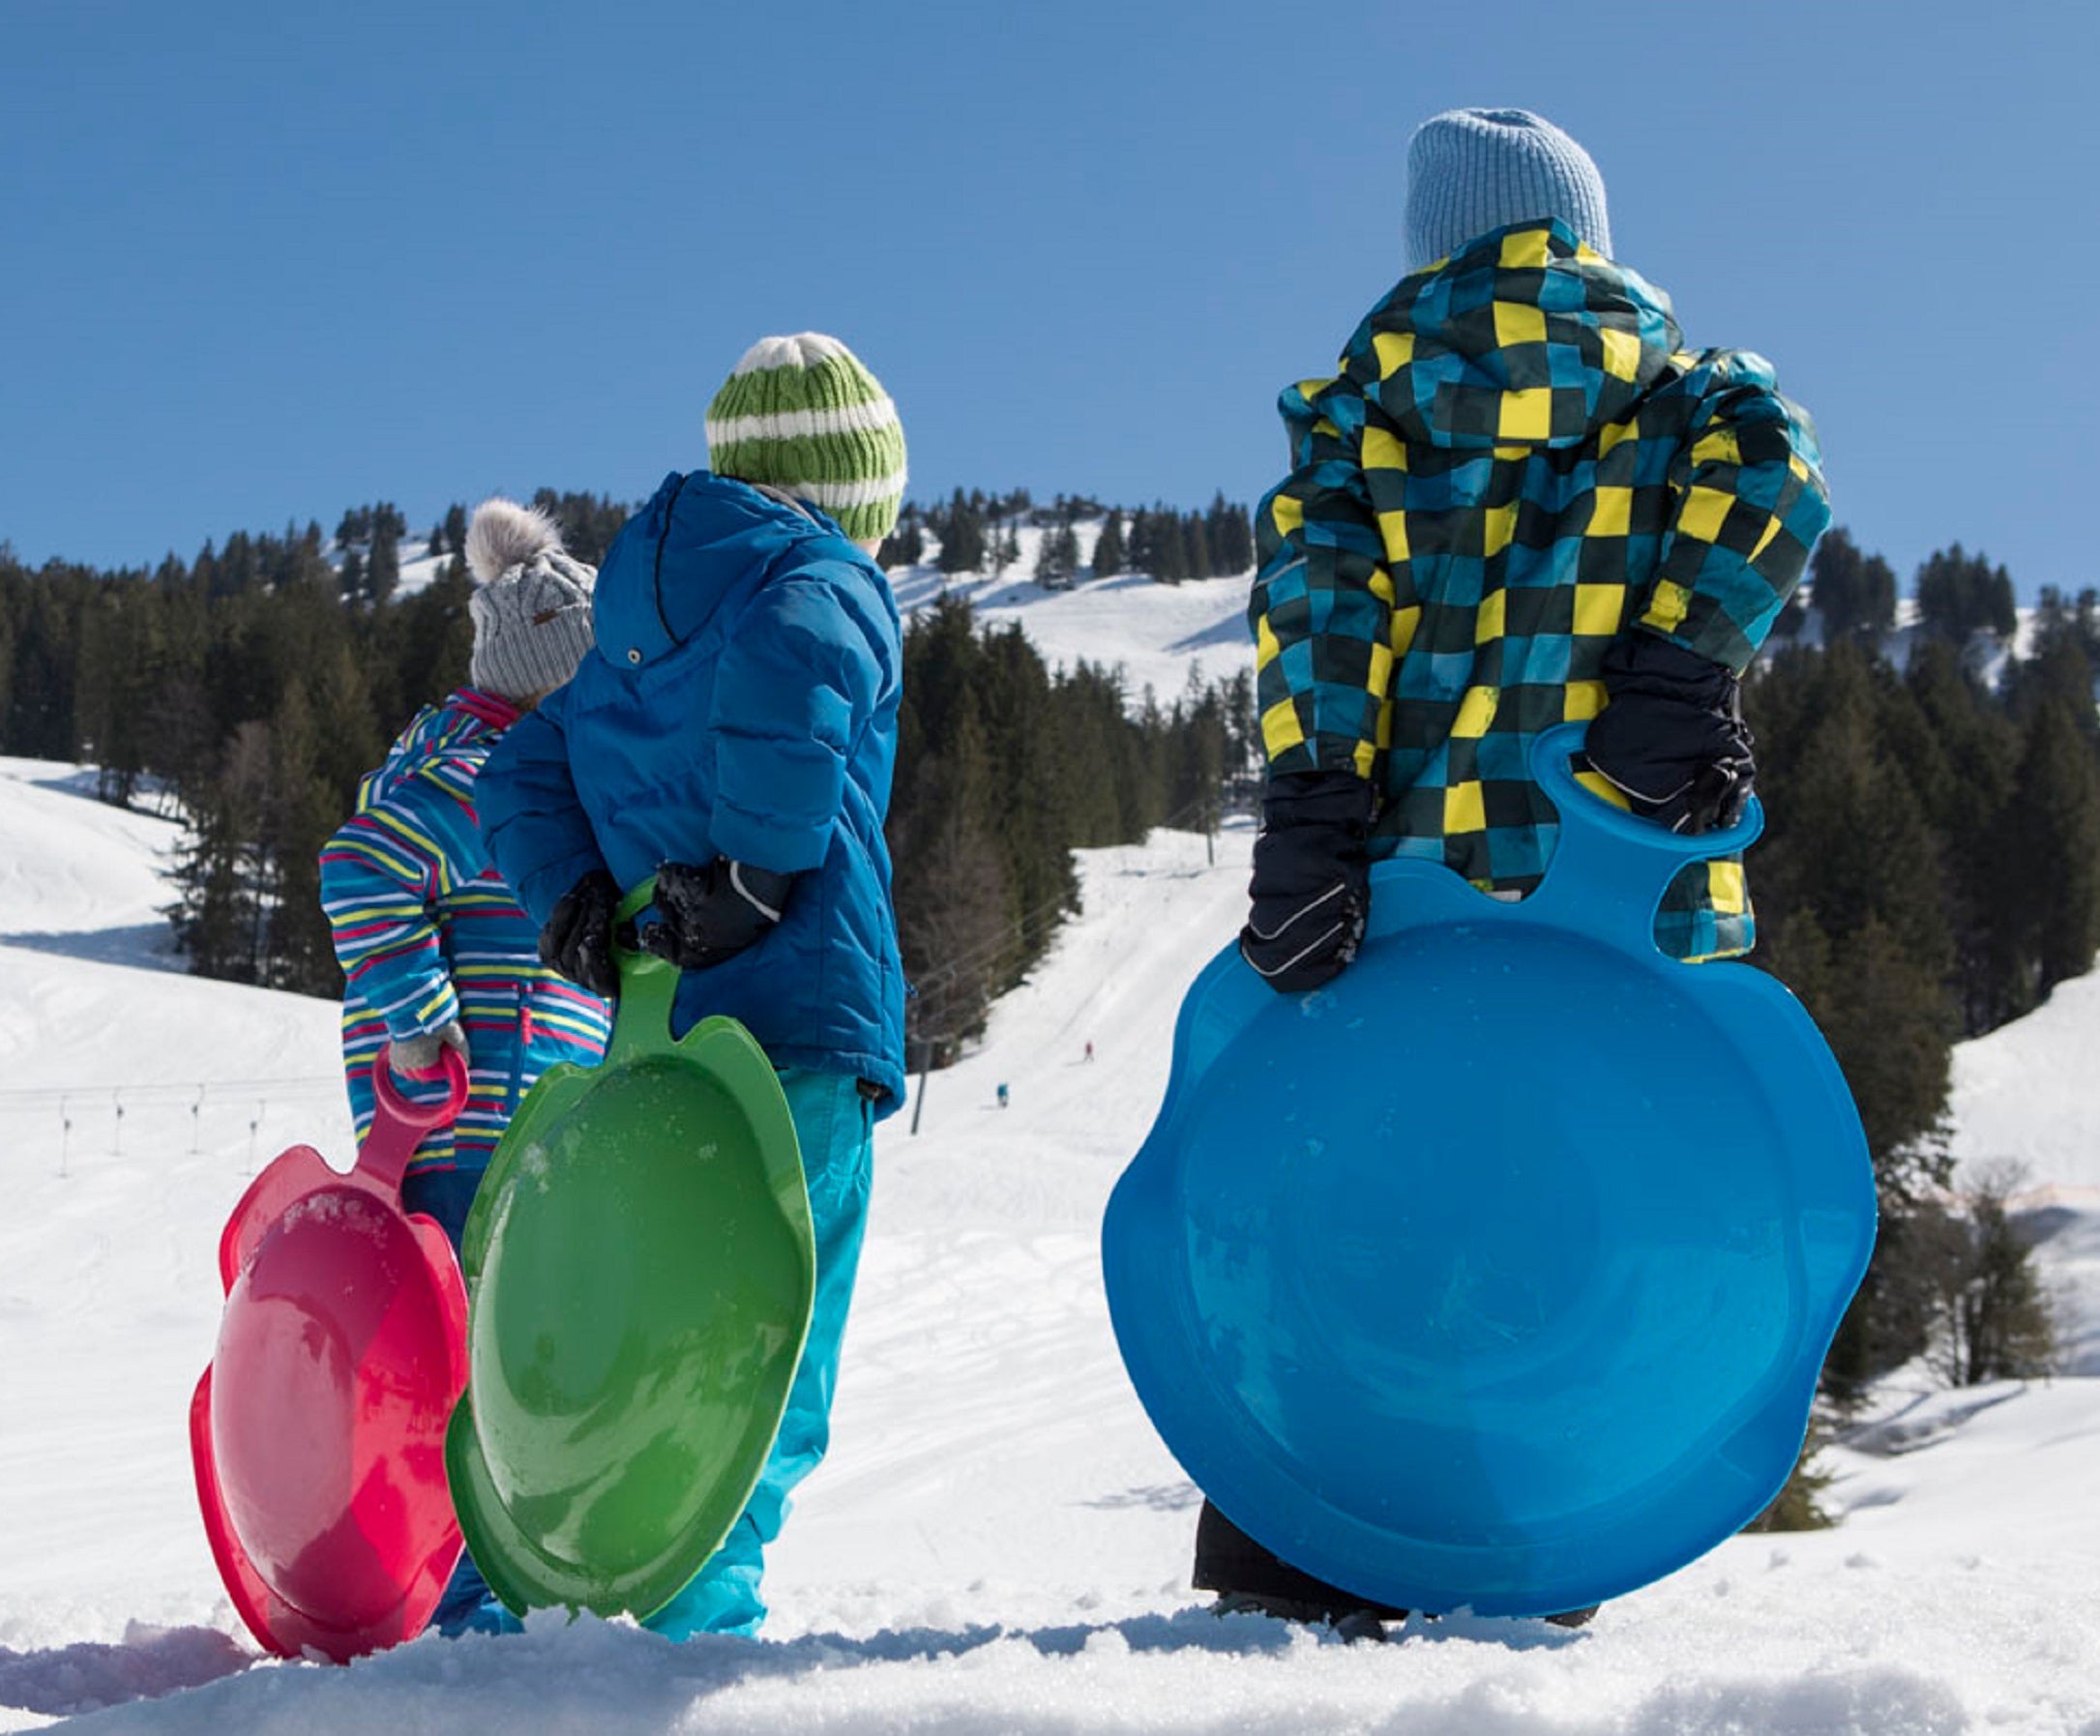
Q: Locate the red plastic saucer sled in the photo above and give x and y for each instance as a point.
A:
(318, 1431)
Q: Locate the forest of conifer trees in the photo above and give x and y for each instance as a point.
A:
(250, 689)
(1930, 867)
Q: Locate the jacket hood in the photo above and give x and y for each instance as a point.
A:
(697, 540)
(1524, 337)
(458, 730)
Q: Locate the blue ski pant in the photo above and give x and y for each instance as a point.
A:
(447, 1195)
(835, 1126)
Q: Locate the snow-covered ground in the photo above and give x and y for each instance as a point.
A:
(998, 1542)
(2026, 1099)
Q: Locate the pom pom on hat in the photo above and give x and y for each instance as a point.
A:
(531, 603)
(1474, 170)
(804, 415)
(502, 534)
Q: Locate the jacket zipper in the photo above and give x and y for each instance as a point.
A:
(518, 1052)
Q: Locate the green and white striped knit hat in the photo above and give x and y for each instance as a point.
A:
(804, 415)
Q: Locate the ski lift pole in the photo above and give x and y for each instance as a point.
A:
(913, 1005)
(926, 1068)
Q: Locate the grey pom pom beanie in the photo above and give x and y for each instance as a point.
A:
(531, 602)
(1473, 170)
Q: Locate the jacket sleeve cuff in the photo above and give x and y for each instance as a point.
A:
(1640, 661)
(544, 887)
(435, 1008)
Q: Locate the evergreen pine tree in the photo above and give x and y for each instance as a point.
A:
(953, 914)
(1959, 594)
(1853, 917)
(1974, 751)
(1994, 1321)
(1798, 1505)
(354, 528)
(222, 912)
(300, 814)
(1228, 537)
(1108, 554)
(239, 568)
(1195, 553)
(962, 530)
(1144, 543)
(383, 567)
(903, 546)
(1057, 558)
(1854, 592)
(2054, 898)
(1171, 551)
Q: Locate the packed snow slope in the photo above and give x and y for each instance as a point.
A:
(998, 1542)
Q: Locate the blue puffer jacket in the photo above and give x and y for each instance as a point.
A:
(741, 702)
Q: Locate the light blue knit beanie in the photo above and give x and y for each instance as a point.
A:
(1471, 170)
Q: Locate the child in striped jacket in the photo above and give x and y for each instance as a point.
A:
(435, 948)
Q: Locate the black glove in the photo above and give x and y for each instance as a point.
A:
(577, 939)
(1672, 739)
(1312, 880)
(712, 912)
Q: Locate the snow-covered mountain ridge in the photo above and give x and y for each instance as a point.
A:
(1157, 634)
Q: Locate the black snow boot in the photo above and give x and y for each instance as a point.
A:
(1252, 1581)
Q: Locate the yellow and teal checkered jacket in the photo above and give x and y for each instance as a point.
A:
(1517, 463)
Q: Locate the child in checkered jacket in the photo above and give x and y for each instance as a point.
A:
(1519, 501)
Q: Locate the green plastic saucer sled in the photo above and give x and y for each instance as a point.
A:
(641, 1266)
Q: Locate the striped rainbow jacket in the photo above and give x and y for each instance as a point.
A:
(426, 932)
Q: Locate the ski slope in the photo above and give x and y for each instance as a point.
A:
(1160, 636)
(998, 1543)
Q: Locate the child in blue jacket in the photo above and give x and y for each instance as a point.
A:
(435, 948)
(734, 733)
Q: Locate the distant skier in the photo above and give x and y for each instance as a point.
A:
(435, 948)
(1002, 1094)
(1519, 501)
(1090, 1049)
(734, 734)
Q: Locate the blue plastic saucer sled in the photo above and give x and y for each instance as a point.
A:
(1499, 1273)
(642, 1268)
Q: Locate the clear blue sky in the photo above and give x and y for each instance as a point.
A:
(267, 262)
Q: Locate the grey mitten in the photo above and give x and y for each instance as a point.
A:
(411, 1057)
